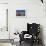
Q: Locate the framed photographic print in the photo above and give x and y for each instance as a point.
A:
(20, 13)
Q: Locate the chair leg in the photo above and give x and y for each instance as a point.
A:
(20, 42)
(32, 42)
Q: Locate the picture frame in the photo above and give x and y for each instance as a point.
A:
(20, 13)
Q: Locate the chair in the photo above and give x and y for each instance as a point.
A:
(33, 30)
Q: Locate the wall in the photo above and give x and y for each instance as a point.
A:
(3, 1)
(35, 12)
(4, 34)
(3, 21)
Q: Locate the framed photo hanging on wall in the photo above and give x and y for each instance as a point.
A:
(20, 13)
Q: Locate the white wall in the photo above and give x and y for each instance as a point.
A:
(3, 21)
(3, 34)
(35, 12)
(3, 1)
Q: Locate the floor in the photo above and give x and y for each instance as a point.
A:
(27, 44)
(23, 43)
(5, 44)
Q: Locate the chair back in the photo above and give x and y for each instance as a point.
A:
(33, 28)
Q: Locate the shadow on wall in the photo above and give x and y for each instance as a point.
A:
(41, 34)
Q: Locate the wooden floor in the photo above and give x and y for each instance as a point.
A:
(27, 44)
